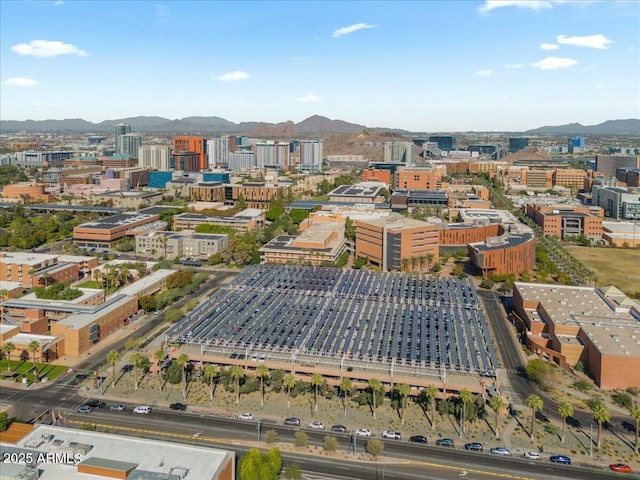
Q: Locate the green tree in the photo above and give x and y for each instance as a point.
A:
(374, 447)
(254, 466)
(173, 315)
(289, 381)
(147, 303)
(330, 444)
(317, 381)
(535, 403)
(375, 386)
(301, 439)
(274, 460)
(431, 393)
(237, 374)
(5, 421)
(133, 344)
(113, 357)
(465, 397)
(139, 363)
(33, 347)
(211, 372)
(565, 409)
(159, 355)
(183, 362)
(8, 348)
(345, 389)
(403, 390)
(349, 230)
(262, 372)
(601, 414)
(497, 404)
(292, 472)
(634, 412)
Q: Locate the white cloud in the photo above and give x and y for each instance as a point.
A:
(19, 82)
(590, 41)
(47, 48)
(483, 73)
(308, 98)
(549, 46)
(350, 29)
(554, 63)
(490, 5)
(514, 65)
(233, 76)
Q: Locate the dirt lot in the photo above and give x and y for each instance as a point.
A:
(613, 266)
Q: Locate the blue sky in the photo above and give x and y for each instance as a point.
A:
(421, 65)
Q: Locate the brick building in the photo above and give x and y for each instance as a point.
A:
(563, 220)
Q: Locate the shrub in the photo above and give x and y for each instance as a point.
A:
(330, 444)
(633, 391)
(582, 386)
(487, 283)
(301, 439)
(271, 436)
(541, 373)
(623, 399)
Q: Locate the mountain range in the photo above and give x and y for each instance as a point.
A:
(315, 124)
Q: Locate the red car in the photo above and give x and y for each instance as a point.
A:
(620, 467)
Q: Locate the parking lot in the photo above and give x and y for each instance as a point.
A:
(344, 317)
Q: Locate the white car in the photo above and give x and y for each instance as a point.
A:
(142, 409)
(391, 434)
(246, 416)
(317, 425)
(363, 432)
(532, 455)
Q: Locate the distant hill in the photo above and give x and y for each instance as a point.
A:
(529, 153)
(610, 127)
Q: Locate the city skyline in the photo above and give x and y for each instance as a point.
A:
(484, 65)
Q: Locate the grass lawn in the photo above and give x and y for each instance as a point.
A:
(90, 284)
(25, 369)
(613, 266)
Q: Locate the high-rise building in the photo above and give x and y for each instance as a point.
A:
(607, 164)
(155, 156)
(192, 144)
(273, 154)
(239, 160)
(445, 142)
(119, 130)
(518, 143)
(577, 145)
(311, 156)
(129, 144)
(398, 152)
(218, 150)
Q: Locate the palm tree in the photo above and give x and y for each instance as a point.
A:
(8, 348)
(262, 372)
(317, 381)
(634, 412)
(113, 357)
(33, 347)
(183, 361)
(159, 355)
(210, 373)
(565, 409)
(289, 381)
(237, 373)
(535, 403)
(375, 386)
(497, 404)
(431, 393)
(345, 388)
(465, 398)
(430, 258)
(601, 414)
(137, 361)
(403, 390)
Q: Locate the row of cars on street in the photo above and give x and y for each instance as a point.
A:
(92, 405)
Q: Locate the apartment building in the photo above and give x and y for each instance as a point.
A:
(417, 178)
(198, 145)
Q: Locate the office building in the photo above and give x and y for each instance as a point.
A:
(607, 164)
(157, 157)
(129, 144)
(565, 221)
(618, 203)
(444, 142)
(629, 176)
(417, 178)
(577, 145)
(26, 192)
(483, 149)
(42, 159)
(273, 154)
(518, 143)
(398, 152)
(311, 156)
(244, 221)
(187, 161)
(377, 175)
(240, 160)
(171, 245)
(120, 130)
(196, 145)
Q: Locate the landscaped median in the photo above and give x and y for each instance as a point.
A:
(19, 371)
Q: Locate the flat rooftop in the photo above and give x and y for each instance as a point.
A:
(145, 282)
(26, 258)
(592, 311)
(364, 189)
(152, 459)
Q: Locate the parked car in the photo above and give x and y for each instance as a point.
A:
(246, 416)
(317, 425)
(178, 406)
(338, 428)
(620, 467)
(532, 455)
(474, 446)
(391, 434)
(292, 421)
(117, 408)
(142, 409)
(418, 438)
(445, 442)
(95, 404)
(363, 432)
(501, 451)
(84, 409)
(560, 459)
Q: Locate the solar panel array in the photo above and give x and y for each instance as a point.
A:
(328, 315)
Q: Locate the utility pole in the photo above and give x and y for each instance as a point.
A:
(591, 440)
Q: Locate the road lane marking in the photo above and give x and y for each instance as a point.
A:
(465, 471)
